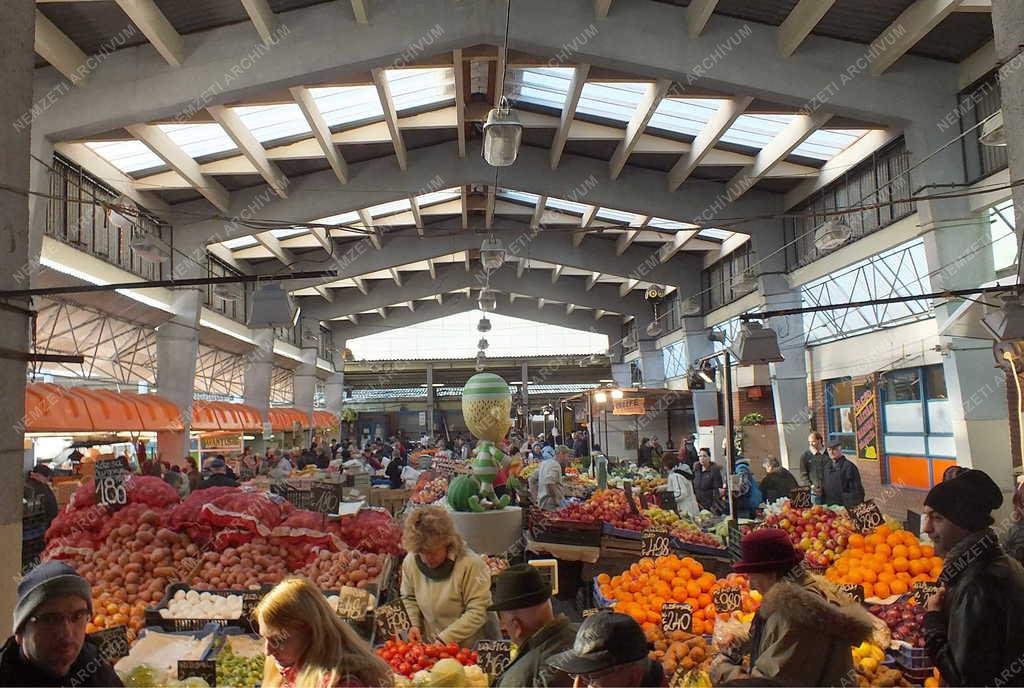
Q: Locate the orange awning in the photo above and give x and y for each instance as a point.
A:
(222, 415)
(52, 408)
(287, 418)
(324, 419)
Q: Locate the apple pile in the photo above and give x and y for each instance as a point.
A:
(819, 532)
(607, 506)
(905, 621)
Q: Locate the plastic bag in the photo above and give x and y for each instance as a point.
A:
(148, 489)
(186, 513)
(301, 534)
(257, 512)
(371, 530)
(86, 520)
(730, 635)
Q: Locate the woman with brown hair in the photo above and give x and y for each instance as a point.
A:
(446, 587)
(309, 646)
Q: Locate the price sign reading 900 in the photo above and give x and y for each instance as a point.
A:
(110, 488)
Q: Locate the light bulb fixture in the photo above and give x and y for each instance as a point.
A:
(482, 344)
(993, 133)
(502, 134)
(653, 328)
(832, 235)
(689, 306)
(616, 394)
(757, 344)
(600, 397)
(484, 325)
(492, 254)
(487, 300)
(123, 213)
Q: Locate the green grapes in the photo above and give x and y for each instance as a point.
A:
(238, 671)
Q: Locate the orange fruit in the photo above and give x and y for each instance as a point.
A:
(696, 568)
(684, 573)
(901, 564)
(856, 541)
(603, 578)
(904, 576)
(679, 593)
(882, 590)
(875, 539)
(900, 551)
(935, 572)
(917, 567)
(886, 577)
(700, 615)
(869, 576)
(899, 587)
(855, 576)
(894, 539)
(869, 590)
(927, 551)
(884, 551)
(693, 588)
(914, 552)
(883, 530)
(704, 599)
(936, 561)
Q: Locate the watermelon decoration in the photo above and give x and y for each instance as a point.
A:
(460, 489)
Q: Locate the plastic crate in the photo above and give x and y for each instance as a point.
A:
(154, 620)
(609, 529)
(694, 548)
(914, 659)
(599, 599)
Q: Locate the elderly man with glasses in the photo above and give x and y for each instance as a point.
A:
(48, 647)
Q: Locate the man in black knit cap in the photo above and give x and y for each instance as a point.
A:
(973, 628)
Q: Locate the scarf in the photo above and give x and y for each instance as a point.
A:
(982, 544)
(442, 572)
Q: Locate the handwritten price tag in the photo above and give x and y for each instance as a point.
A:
(205, 669)
(800, 498)
(392, 619)
(326, 497)
(112, 643)
(923, 590)
(867, 516)
(728, 598)
(110, 489)
(854, 590)
(655, 543)
(493, 656)
(590, 612)
(676, 617)
(353, 603)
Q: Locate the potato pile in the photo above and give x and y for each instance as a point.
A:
(247, 566)
(332, 570)
(678, 650)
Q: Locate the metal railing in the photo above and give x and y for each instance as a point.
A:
(719, 281)
(292, 335)
(235, 307)
(326, 344)
(75, 216)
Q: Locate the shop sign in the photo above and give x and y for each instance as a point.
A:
(392, 620)
(676, 617)
(110, 489)
(628, 407)
(866, 419)
(205, 669)
(222, 442)
(866, 516)
(728, 598)
(493, 656)
(655, 543)
(112, 643)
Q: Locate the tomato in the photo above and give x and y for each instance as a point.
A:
(385, 654)
(405, 669)
(452, 648)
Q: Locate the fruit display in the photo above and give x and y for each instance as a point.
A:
(867, 662)
(347, 567)
(238, 670)
(370, 530)
(682, 529)
(607, 506)
(820, 533)
(406, 658)
(905, 620)
(640, 590)
(202, 605)
(430, 492)
(678, 650)
(496, 564)
(886, 562)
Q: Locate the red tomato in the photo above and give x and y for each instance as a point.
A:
(452, 648)
(405, 668)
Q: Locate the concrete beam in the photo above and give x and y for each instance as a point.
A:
(637, 123)
(151, 21)
(55, 47)
(170, 153)
(251, 148)
(263, 18)
(601, 8)
(800, 21)
(390, 115)
(912, 25)
(572, 99)
(321, 131)
(359, 10)
(707, 139)
(131, 88)
(795, 133)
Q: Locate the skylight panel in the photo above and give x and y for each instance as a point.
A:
(240, 242)
(611, 100)
(127, 156)
(544, 86)
(389, 208)
(824, 144)
(285, 233)
(347, 104)
(616, 215)
(662, 223)
(415, 88)
(198, 140)
(684, 115)
(273, 122)
(572, 207)
(716, 234)
(521, 196)
(756, 131)
(438, 196)
(349, 218)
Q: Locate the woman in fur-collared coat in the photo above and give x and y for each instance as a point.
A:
(803, 633)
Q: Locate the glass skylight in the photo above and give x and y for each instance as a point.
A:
(572, 207)
(824, 144)
(197, 140)
(285, 233)
(127, 156)
(272, 122)
(438, 197)
(241, 242)
(414, 88)
(349, 218)
(389, 208)
(611, 100)
(684, 115)
(613, 215)
(544, 86)
(521, 196)
(347, 104)
(662, 223)
(717, 234)
(756, 131)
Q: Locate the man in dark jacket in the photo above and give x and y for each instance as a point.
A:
(37, 488)
(812, 466)
(48, 647)
(522, 599)
(217, 469)
(610, 650)
(842, 485)
(708, 483)
(972, 623)
(777, 482)
(688, 452)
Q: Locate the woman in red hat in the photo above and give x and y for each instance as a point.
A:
(803, 633)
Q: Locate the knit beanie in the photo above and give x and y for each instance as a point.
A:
(967, 500)
(43, 583)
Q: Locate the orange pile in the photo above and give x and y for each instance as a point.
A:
(646, 585)
(886, 562)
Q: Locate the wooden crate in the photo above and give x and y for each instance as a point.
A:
(393, 501)
(64, 489)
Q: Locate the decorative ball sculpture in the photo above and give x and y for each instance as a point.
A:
(487, 407)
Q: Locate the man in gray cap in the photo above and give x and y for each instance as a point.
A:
(522, 599)
(610, 650)
(48, 647)
(218, 470)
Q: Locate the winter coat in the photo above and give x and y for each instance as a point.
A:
(778, 483)
(453, 609)
(688, 454)
(706, 485)
(842, 484)
(812, 468)
(748, 496)
(530, 666)
(1013, 543)
(682, 490)
(218, 480)
(38, 490)
(976, 639)
(801, 636)
(550, 492)
(87, 670)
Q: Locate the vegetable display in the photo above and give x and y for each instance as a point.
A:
(886, 562)
(406, 658)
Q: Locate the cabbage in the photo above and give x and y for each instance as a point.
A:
(448, 673)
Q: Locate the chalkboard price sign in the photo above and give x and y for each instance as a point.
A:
(854, 590)
(493, 656)
(655, 543)
(111, 642)
(205, 669)
(110, 489)
(353, 603)
(326, 497)
(923, 590)
(250, 601)
(866, 515)
(800, 498)
(392, 619)
(590, 612)
(728, 598)
(676, 617)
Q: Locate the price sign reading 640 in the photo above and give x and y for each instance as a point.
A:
(110, 489)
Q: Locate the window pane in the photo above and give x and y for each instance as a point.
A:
(904, 418)
(842, 419)
(847, 442)
(898, 444)
(939, 417)
(902, 385)
(935, 382)
(840, 392)
(941, 446)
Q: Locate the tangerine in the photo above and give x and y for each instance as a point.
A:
(882, 590)
(899, 587)
(856, 541)
(603, 578)
(869, 590)
(901, 564)
(914, 552)
(901, 551)
(927, 551)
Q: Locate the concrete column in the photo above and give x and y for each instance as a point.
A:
(695, 339)
(177, 347)
(430, 400)
(621, 375)
(259, 373)
(1008, 25)
(957, 248)
(304, 385)
(17, 21)
(652, 363)
(524, 392)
